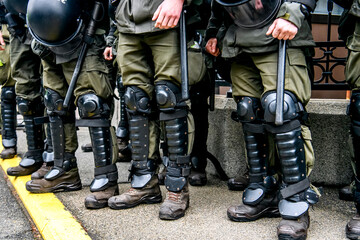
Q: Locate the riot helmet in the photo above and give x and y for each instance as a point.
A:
(16, 6)
(231, 3)
(251, 13)
(54, 23)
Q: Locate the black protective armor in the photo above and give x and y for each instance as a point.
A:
(8, 114)
(53, 22)
(354, 113)
(296, 194)
(48, 154)
(199, 110)
(174, 115)
(16, 6)
(291, 152)
(96, 112)
(292, 107)
(138, 106)
(63, 162)
(34, 133)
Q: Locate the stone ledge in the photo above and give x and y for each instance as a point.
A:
(329, 126)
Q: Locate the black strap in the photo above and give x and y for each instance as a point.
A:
(293, 189)
(92, 123)
(105, 170)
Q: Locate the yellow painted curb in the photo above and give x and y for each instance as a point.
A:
(48, 213)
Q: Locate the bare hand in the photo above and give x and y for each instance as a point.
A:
(212, 48)
(282, 29)
(167, 15)
(108, 53)
(2, 42)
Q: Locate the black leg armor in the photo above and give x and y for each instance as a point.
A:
(95, 113)
(296, 194)
(354, 113)
(138, 107)
(8, 115)
(256, 142)
(63, 161)
(199, 110)
(174, 115)
(48, 154)
(34, 133)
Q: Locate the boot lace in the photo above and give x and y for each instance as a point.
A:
(131, 190)
(172, 196)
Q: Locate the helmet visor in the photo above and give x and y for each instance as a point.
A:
(254, 13)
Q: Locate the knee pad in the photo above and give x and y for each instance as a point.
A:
(354, 113)
(92, 106)
(292, 107)
(54, 103)
(168, 96)
(8, 94)
(30, 108)
(137, 100)
(248, 109)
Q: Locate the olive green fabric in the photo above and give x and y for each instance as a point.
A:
(238, 40)
(93, 77)
(71, 141)
(254, 74)
(136, 16)
(162, 48)
(25, 70)
(136, 53)
(352, 73)
(5, 68)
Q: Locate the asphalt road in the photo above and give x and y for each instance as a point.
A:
(205, 219)
(14, 222)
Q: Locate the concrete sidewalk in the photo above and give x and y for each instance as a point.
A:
(205, 219)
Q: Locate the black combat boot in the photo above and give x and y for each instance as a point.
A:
(259, 198)
(32, 159)
(8, 115)
(104, 184)
(48, 157)
(239, 183)
(353, 227)
(296, 194)
(64, 175)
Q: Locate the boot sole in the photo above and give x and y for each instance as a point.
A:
(269, 213)
(96, 205)
(8, 157)
(353, 236)
(236, 187)
(201, 182)
(288, 237)
(146, 200)
(62, 187)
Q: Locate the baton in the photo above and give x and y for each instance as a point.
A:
(88, 39)
(280, 84)
(184, 59)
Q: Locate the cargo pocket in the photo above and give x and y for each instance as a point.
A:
(96, 77)
(196, 66)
